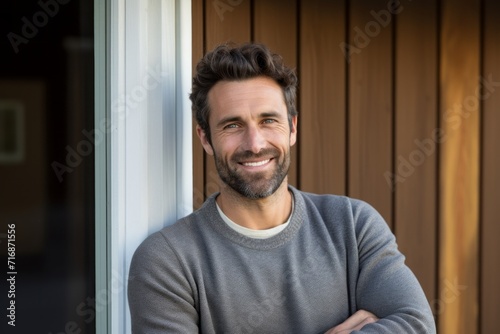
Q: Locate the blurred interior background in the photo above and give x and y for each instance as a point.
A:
(46, 166)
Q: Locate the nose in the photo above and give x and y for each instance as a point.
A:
(254, 140)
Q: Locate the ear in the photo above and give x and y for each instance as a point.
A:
(293, 131)
(204, 141)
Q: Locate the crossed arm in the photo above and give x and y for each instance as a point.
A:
(384, 284)
(354, 322)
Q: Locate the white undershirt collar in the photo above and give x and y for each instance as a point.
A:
(251, 233)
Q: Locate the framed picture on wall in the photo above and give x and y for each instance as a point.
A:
(11, 132)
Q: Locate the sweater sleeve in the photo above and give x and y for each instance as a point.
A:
(386, 286)
(160, 296)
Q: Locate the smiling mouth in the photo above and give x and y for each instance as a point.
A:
(255, 163)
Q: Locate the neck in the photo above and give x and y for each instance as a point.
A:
(257, 214)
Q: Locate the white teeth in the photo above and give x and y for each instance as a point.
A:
(255, 164)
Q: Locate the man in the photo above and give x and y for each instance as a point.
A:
(262, 256)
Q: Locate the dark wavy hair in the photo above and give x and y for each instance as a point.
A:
(232, 63)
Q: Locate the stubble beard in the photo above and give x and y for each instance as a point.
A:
(255, 185)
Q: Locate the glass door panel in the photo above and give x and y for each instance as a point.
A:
(47, 167)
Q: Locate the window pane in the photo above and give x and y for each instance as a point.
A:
(47, 166)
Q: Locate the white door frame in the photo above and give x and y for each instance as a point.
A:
(144, 163)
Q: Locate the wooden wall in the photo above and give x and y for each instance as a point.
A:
(399, 105)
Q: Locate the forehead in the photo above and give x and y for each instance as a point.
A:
(255, 94)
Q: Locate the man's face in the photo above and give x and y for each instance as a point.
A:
(251, 135)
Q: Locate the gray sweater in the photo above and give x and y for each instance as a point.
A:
(336, 256)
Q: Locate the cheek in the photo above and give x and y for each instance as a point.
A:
(282, 140)
(224, 149)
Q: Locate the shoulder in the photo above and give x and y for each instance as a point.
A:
(339, 204)
(152, 253)
(160, 260)
(343, 211)
(186, 232)
(165, 239)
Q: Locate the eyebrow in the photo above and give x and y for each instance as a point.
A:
(230, 119)
(270, 114)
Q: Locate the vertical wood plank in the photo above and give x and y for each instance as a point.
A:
(458, 168)
(370, 106)
(416, 140)
(226, 21)
(275, 25)
(198, 153)
(322, 97)
(490, 195)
